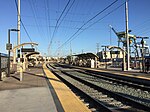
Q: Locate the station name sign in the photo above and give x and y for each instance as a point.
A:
(27, 50)
(114, 52)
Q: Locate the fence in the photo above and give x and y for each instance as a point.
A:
(3, 64)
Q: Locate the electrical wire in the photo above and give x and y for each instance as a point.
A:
(58, 22)
(66, 13)
(87, 23)
(23, 23)
(48, 19)
(34, 14)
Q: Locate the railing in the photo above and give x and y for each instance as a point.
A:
(3, 64)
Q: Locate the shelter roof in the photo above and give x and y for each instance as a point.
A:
(147, 57)
(86, 55)
(32, 53)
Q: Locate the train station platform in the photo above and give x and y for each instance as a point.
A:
(133, 73)
(40, 91)
(69, 101)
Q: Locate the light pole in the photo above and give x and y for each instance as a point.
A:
(9, 47)
(127, 37)
(142, 51)
(143, 65)
(105, 56)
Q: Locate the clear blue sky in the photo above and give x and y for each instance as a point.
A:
(40, 18)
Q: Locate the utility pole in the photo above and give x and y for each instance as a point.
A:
(18, 43)
(142, 51)
(48, 50)
(143, 65)
(9, 53)
(97, 45)
(70, 52)
(127, 37)
(18, 22)
(9, 47)
(110, 36)
(70, 49)
(18, 33)
(124, 60)
(105, 55)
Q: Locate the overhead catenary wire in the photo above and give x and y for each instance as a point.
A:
(56, 27)
(87, 23)
(48, 20)
(35, 18)
(66, 13)
(72, 22)
(99, 20)
(48, 16)
(24, 26)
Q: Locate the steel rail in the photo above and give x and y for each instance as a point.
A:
(124, 82)
(91, 100)
(117, 96)
(133, 80)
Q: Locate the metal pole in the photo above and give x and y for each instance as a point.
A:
(105, 58)
(8, 54)
(71, 52)
(18, 33)
(18, 26)
(19, 60)
(143, 65)
(124, 61)
(127, 38)
(97, 44)
(110, 35)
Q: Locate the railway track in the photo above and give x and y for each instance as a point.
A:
(143, 87)
(109, 74)
(123, 82)
(99, 97)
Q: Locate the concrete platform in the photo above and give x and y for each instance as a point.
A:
(40, 91)
(69, 101)
(36, 99)
(30, 95)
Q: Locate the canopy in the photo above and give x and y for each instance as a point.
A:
(86, 55)
(32, 53)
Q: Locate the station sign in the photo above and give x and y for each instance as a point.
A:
(8, 46)
(27, 50)
(114, 52)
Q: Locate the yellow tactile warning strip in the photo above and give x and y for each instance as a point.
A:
(70, 102)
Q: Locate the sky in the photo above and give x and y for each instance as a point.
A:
(59, 28)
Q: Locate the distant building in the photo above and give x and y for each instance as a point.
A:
(110, 55)
(113, 58)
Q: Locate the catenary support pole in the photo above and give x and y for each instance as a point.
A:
(127, 37)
